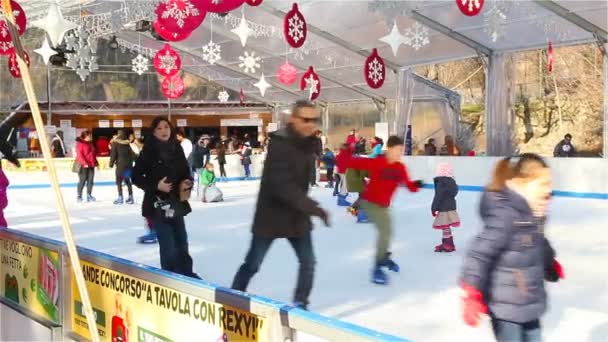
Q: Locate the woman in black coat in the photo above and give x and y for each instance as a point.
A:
(123, 157)
(163, 173)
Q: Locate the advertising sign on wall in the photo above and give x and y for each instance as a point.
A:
(31, 278)
(131, 309)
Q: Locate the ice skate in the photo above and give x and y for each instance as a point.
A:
(342, 202)
(119, 200)
(130, 200)
(379, 277)
(361, 216)
(389, 263)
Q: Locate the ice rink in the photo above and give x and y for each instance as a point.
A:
(421, 303)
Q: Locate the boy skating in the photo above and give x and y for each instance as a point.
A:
(385, 173)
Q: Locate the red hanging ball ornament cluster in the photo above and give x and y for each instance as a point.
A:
(223, 6)
(294, 27)
(550, 57)
(173, 86)
(254, 3)
(6, 42)
(13, 66)
(167, 61)
(287, 73)
(177, 19)
(470, 8)
(375, 70)
(311, 81)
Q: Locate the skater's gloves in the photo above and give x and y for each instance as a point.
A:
(473, 305)
(322, 214)
(419, 183)
(555, 273)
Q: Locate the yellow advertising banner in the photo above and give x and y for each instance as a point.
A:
(31, 278)
(128, 309)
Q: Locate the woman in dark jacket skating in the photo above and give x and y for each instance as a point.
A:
(508, 262)
(163, 173)
(444, 207)
(122, 156)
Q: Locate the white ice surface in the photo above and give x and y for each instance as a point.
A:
(421, 303)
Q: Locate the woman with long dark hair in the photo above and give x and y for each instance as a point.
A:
(86, 163)
(122, 156)
(162, 171)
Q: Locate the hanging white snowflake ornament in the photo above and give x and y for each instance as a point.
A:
(243, 31)
(83, 60)
(262, 85)
(223, 96)
(212, 52)
(294, 26)
(140, 64)
(417, 36)
(495, 23)
(249, 62)
(375, 70)
(394, 39)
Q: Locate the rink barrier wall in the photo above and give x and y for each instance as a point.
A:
(282, 321)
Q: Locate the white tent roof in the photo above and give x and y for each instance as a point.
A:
(342, 33)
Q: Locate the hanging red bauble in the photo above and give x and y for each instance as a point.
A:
(287, 73)
(550, 57)
(254, 3)
(375, 70)
(180, 16)
(312, 83)
(470, 8)
(13, 66)
(168, 35)
(222, 6)
(242, 97)
(173, 86)
(167, 61)
(6, 42)
(294, 27)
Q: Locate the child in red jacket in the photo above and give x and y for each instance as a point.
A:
(342, 158)
(386, 172)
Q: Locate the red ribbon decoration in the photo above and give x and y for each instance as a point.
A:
(550, 57)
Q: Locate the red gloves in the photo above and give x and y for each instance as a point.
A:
(473, 305)
(559, 270)
(434, 213)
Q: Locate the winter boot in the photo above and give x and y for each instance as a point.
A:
(362, 216)
(79, 199)
(119, 200)
(130, 200)
(389, 263)
(300, 305)
(342, 202)
(447, 246)
(379, 277)
(90, 198)
(148, 238)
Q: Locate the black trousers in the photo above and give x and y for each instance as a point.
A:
(330, 175)
(86, 175)
(222, 170)
(127, 180)
(337, 185)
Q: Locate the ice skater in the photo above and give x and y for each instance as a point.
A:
(444, 206)
(284, 208)
(506, 265)
(7, 151)
(123, 157)
(386, 172)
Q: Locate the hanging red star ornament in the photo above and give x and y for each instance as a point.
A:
(6, 42)
(294, 27)
(311, 81)
(375, 70)
(180, 16)
(13, 66)
(287, 73)
(470, 8)
(167, 61)
(173, 86)
(254, 3)
(550, 57)
(223, 6)
(168, 35)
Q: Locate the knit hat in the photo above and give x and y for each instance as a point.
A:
(445, 169)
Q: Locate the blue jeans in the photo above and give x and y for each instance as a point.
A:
(247, 171)
(259, 247)
(516, 332)
(173, 245)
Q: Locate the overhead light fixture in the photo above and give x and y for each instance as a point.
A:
(113, 43)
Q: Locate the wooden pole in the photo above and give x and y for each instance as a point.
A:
(46, 153)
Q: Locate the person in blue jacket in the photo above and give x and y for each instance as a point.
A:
(329, 161)
(508, 262)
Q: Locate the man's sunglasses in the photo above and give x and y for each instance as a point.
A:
(308, 120)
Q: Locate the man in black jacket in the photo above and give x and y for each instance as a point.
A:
(284, 208)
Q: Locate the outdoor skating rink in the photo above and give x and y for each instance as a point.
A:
(421, 303)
